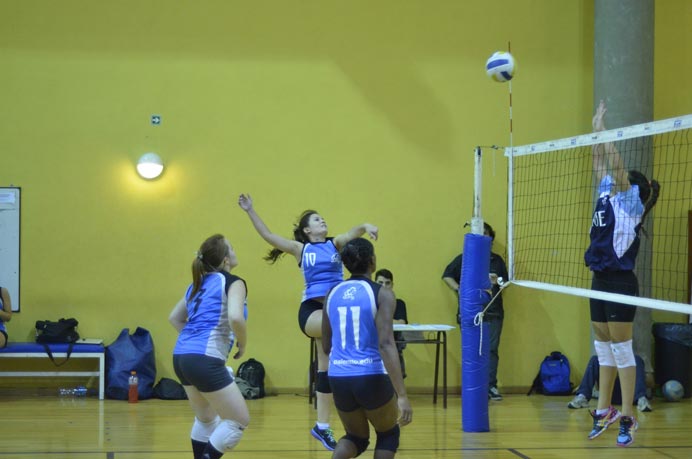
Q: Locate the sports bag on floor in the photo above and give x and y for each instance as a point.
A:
(127, 353)
(553, 376)
(251, 372)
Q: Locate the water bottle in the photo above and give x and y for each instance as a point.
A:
(133, 395)
(79, 391)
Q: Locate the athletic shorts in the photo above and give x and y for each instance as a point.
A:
(624, 282)
(366, 391)
(207, 374)
(307, 307)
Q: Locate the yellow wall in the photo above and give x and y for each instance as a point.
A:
(365, 111)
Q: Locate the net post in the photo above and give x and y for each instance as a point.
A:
(477, 220)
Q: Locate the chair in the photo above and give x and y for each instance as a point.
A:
(312, 373)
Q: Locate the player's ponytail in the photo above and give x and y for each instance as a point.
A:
(209, 258)
(298, 234)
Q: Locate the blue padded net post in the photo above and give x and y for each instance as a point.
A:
(473, 297)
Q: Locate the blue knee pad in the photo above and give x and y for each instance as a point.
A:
(361, 443)
(322, 383)
(388, 440)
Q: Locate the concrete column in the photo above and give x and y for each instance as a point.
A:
(624, 78)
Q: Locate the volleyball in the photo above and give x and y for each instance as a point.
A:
(673, 390)
(500, 66)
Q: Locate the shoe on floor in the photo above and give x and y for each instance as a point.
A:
(603, 421)
(628, 425)
(494, 394)
(325, 436)
(579, 401)
(643, 404)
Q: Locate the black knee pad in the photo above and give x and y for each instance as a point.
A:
(361, 443)
(388, 440)
(322, 383)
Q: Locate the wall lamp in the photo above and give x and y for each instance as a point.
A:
(149, 166)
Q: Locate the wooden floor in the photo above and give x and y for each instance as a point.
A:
(536, 427)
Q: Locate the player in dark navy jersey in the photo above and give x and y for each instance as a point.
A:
(364, 368)
(210, 318)
(5, 314)
(318, 257)
(624, 200)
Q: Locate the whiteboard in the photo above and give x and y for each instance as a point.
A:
(10, 206)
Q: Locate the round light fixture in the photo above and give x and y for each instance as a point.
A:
(149, 166)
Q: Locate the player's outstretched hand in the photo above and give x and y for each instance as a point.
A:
(598, 120)
(245, 202)
(371, 231)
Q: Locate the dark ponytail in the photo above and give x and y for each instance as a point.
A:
(648, 191)
(298, 234)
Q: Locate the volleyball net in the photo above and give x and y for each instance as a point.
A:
(552, 191)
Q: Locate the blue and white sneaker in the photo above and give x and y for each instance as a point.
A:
(603, 421)
(326, 436)
(628, 425)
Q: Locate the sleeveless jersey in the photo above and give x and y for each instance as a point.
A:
(322, 270)
(207, 330)
(615, 229)
(352, 306)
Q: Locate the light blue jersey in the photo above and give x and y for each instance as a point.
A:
(615, 229)
(207, 330)
(322, 269)
(352, 307)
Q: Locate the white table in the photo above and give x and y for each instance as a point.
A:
(432, 334)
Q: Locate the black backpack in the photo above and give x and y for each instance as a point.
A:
(252, 372)
(62, 331)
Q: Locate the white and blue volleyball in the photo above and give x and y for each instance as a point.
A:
(500, 66)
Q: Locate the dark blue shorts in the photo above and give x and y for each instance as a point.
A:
(207, 374)
(307, 307)
(624, 282)
(366, 391)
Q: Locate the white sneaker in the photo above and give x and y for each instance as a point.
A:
(579, 401)
(643, 405)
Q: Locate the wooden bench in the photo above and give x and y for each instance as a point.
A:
(59, 351)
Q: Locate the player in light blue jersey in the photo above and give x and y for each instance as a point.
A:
(364, 369)
(625, 198)
(5, 314)
(208, 317)
(318, 257)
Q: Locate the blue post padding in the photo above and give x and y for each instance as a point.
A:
(473, 296)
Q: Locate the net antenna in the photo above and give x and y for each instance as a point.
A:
(551, 200)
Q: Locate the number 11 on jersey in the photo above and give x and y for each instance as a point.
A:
(343, 320)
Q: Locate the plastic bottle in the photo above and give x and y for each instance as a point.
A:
(65, 392)
(79, 391)
(133, 395)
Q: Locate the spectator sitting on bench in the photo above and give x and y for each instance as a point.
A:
(5, 314)
(585, 390)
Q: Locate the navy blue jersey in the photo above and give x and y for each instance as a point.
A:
(352, 307)
(322, 269)
(207, 330)
(615, 229)
(2, 322)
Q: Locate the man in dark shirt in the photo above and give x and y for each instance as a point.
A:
(385, 278)
(495, 314)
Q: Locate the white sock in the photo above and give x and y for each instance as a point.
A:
(603, 411)
(322, 425)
